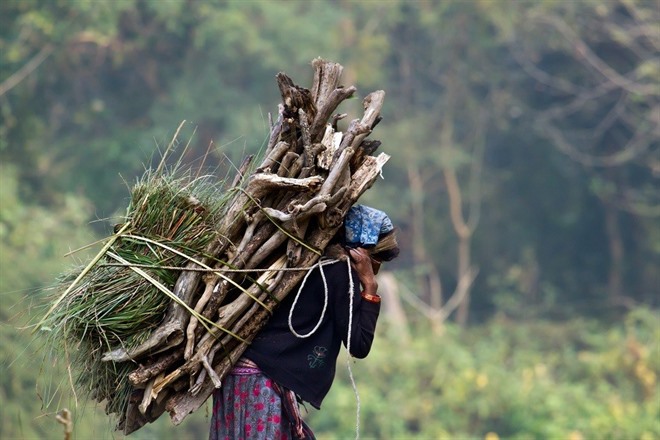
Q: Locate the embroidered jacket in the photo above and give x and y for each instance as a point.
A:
(307, 365)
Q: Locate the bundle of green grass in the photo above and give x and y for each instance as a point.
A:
(121, 295)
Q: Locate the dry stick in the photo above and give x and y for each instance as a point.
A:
(329, 106)
(144, 373)
(359, 129)
(293, 248)
(372, 104)
(276, 130)
(207, 367)
(147, 397)
(253, 222)
(267, 248)
(331, 141)
(242, 170)
(363, 178)
(290, 158)
(327, 76)
(64, 417)
(273, 157)
(306, 138)
(336, 172)
(313, 206)
(366, 148)
(295, 98)
(192, 324)
(260, 184)
(195, 387)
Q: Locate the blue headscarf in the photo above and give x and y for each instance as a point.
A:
(364, 224)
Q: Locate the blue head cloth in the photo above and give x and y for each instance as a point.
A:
(364, 224)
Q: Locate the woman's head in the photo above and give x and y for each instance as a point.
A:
(373, 230)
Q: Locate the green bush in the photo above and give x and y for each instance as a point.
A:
(576, 380)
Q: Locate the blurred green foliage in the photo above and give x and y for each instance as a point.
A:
(515, 379)
(556, 157)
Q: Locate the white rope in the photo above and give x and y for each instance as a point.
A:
(320, 265)
(348, 348)
(351, 286)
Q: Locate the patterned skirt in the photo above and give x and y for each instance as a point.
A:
(250, 406)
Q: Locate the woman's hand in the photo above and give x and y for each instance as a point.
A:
(363, 265)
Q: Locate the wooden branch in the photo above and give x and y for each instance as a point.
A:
(242, 170)
(261, 184)
(327, 76)
(144, 373)
(273, 157)
(147, 397)
(331, 142)
(329, 105)
(276, 130)
(211, 282)
(267, 248)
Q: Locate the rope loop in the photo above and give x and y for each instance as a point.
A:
(351, 287)
(320, 264)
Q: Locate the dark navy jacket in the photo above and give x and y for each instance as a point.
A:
(307, 365)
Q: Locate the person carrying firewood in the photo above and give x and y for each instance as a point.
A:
(293, 358)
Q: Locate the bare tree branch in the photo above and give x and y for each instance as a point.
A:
(14, 79)
(627, 81)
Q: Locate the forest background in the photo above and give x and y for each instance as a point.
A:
(524, 179)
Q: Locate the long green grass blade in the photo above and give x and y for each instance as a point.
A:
(75, 282)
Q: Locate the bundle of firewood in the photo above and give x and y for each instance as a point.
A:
(211, 296)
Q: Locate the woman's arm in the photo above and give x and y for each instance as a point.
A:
(364, 314)
(362, 263)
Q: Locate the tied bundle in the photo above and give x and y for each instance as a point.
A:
(156, 320)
